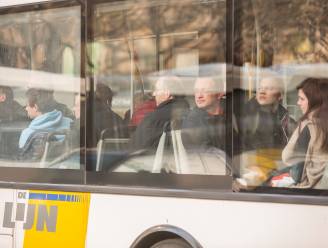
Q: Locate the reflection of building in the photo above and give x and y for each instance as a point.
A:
(136, 40)
(158, 36)
(275, 32)
(42, 40)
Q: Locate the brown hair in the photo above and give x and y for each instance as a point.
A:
(8, 92)
(316, 91)
(41, 98)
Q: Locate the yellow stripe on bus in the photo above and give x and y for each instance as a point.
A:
(60, 219)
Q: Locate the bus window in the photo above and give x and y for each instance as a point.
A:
(159, 87)
(40, 51)
(275, 62)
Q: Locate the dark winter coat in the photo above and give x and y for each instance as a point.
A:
(12, 111)
(262, 129)
(201, 130)
(106, 118)
(67, 112)
(151, 128)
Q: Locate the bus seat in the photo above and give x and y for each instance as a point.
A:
(110, 149)
(172, 156)
(56, 144)
(43, 147)
(34, 147)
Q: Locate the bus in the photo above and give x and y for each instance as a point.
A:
(80, 79)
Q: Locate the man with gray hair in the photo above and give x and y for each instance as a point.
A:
(265, 122)
(204, 126)
(170, 106)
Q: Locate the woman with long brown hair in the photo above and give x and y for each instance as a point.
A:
(307, 149)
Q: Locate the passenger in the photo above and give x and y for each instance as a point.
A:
(204, 126)
(60, 106)
(265, 123)
(10, 110)
(104, 116)
(143, 105)
(307, 150)
(169, 107)
(45, 119)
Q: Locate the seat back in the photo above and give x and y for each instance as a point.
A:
(172, 156)
(44, 146)
(57, 144)
(34, 147)
(111, 148)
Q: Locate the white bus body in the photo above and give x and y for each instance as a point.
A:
(99, 193)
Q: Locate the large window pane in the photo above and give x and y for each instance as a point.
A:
(158, 73)
(278, 45)
(40, 82)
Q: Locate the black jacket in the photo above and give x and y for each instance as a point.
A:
(12, 111)
(201, 130)
(261, 129)
(34, 147)
(151, 128)
(64, 109)
(105, 118)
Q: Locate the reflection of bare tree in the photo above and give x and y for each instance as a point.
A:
(13, 47)
(36, 40)
(274, 31)
(171, 24)
(46, 47)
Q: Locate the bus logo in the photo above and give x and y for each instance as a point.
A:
(46, 218)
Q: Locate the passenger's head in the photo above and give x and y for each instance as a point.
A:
(313, 101)
(166, 88)
(312, 94)
(208, 93)
(38, 102)
(270, 91)
(104, 94)
(6, 94)
(77, 107)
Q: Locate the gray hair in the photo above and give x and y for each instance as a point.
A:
(278, 83)
(216, 86)
(171, 83)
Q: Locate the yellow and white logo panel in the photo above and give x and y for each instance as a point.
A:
(48, 218)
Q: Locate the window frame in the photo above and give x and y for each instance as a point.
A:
(193, 186)
(178, 181)
(42, 176)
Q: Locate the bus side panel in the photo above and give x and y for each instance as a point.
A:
(6, 233)
(117, 220)
(33, 219)
(59, 219)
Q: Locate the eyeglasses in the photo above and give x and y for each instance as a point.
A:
(267, 88)
(205, 91)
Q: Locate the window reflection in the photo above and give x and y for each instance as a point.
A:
(150, 55)
(40, 76)
(275, 56)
